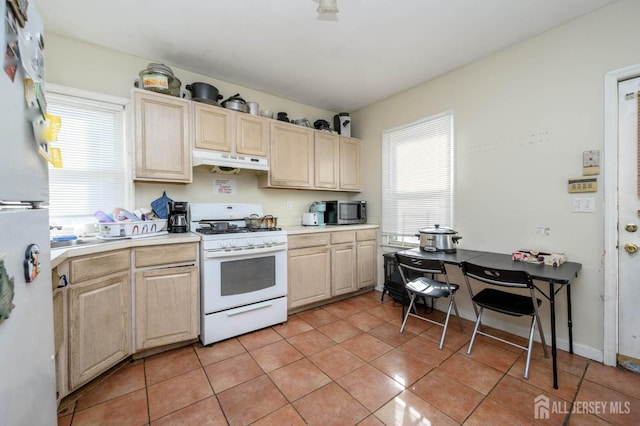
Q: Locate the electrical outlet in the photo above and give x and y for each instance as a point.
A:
(289, 205)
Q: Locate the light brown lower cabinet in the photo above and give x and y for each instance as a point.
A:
(99, 326)
(367, 254)
(166, 306)
(322, 265)
(93, 315)
(308, 274)
(343, 263)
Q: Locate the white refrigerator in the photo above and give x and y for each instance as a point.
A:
(27, 370)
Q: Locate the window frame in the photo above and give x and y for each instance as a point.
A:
(129, 185)
(391, 237)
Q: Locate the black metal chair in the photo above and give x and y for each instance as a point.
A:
(504, 302)
(425, 287)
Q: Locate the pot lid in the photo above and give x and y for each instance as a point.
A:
(159, 68)
(437, 229)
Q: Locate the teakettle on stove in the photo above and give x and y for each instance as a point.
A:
(178, 215)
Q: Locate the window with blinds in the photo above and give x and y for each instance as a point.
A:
(94, 172)
(417, 178)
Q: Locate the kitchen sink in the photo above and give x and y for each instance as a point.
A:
(78, 242)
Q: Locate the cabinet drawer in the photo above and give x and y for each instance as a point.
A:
(343, 237)
(309, 240)
(166, 254)
(366, 234)
(99, 265)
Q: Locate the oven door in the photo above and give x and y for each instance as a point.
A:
(235, 278)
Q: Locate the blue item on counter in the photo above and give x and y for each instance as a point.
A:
(159, 206)
(64, 238)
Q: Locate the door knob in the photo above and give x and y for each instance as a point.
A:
(631, 248)
(631, 227)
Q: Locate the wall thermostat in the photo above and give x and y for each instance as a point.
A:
(591, 162)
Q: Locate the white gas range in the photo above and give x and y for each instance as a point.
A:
(243, 272)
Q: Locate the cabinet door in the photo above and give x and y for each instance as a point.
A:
(162, 144)
(343, 269)
(291, 156)
(367, 267)
(59, 338)
(326, 152)
(349, 163)
(308, 276)
(166, 306)
(212, 127)
(99, 327)
(252, 135)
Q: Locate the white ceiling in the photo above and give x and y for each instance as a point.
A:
(374, 49)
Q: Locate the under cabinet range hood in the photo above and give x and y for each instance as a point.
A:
(235, 161)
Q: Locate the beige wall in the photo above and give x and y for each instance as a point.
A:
(85, 66)
(523, 117)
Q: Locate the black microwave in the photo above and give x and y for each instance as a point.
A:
(345, 212)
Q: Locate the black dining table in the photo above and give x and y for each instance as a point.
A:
(558, 277)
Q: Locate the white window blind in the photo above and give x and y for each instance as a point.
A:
(92, 142)
(417, 177)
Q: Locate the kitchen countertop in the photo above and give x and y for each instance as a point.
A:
(296, 230)
(61, 254)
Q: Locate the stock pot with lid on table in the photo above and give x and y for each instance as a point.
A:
(438, 238)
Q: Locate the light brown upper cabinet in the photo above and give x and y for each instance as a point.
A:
(349, 164)
(252, 134)
(162, 137)
(223, 130)
(291, 160)
(326, 152)
(304, 158)
(212, 127)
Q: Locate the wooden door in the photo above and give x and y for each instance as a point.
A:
(349, 164)
(162, 138)
(343, 269)
(367, 265)
(308, 275)
(326, 151)
(212, 127)
(99, 326)
(291, 156)
(166, 306)
(252, 135)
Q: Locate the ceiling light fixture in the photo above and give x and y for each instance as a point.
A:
(327, 6)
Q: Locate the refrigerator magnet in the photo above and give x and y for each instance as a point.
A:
(31, 263)
(6, 292)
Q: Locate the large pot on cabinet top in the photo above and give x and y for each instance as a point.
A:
(204, 92)
(438, 239)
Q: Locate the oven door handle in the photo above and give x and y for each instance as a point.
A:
(250, 308)
(232, 253)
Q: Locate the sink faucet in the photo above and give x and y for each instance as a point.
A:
(56, 227)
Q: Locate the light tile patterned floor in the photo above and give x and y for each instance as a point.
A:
(346, 363)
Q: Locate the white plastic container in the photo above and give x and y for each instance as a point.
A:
(132, 229)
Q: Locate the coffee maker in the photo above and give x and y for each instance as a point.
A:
(178, 216)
